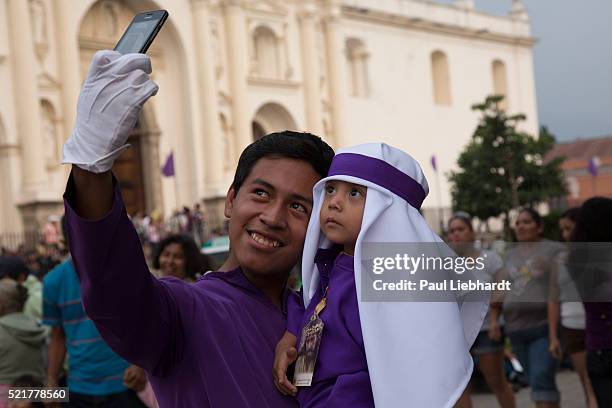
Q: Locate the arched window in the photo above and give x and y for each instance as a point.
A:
(357, 56)
(441, 78)
(258, 130)
(500, 82)
(271, 117)
(267, 58)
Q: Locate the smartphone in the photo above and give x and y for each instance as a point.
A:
(141, 32)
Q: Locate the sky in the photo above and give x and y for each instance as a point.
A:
(573, 63)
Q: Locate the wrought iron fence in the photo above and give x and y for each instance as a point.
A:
(14, 241)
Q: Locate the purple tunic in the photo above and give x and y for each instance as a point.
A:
(207, 344)
(341, 377)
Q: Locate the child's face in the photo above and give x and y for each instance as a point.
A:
(342, 212)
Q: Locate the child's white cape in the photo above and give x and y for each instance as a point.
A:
(417, 352)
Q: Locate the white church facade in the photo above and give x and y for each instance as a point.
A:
(405, 72)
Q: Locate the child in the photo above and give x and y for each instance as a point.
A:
(383, 354)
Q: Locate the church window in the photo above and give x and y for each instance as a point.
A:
(267, 58)
(500, 82)
(441, 78)
(357, 56)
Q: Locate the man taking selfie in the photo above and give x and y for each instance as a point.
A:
(208, 344)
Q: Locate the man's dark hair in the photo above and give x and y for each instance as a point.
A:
(196, 263)
(286, 144)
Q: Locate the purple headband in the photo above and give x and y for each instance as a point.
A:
(378, 172)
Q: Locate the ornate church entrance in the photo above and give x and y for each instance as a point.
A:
(137, 167)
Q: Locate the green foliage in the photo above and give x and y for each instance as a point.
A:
(503, 168)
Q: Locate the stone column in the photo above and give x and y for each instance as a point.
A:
(238, 65)
(335, 56)
(69, 62)
(26, 97)
(310, 69)
(213, 150)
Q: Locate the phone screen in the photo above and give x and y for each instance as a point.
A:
(136, 36)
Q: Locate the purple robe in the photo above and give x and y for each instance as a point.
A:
(206, 344)
(341, 377)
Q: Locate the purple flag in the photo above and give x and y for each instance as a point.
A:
(168, 169)
(594, 165)
(433, 162)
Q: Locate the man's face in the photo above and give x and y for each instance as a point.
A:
(269, 215)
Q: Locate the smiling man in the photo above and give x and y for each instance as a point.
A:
(269, 211)
(208, 344)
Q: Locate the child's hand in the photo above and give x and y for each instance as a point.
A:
(285, 355)
(135, 378)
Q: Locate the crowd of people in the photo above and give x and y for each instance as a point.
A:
(187, 221)
(46, 338)
(540, 333)
(47, 248)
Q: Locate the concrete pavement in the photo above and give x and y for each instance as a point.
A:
(568, 382)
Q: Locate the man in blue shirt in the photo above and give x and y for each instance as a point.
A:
(96, 375)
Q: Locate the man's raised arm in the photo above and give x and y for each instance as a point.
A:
(135, 313)
(116, 88)
(93, 193)
(138, 316)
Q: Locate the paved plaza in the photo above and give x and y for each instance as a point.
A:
(567, 381)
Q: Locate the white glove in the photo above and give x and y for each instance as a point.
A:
(110, 102)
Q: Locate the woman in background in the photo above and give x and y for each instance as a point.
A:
(489, 345)
(179, 256)
(531, 308)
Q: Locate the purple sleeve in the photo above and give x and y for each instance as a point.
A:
(137, 315)
(295, 312)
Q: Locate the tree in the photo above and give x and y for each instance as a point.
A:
(503, 168)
